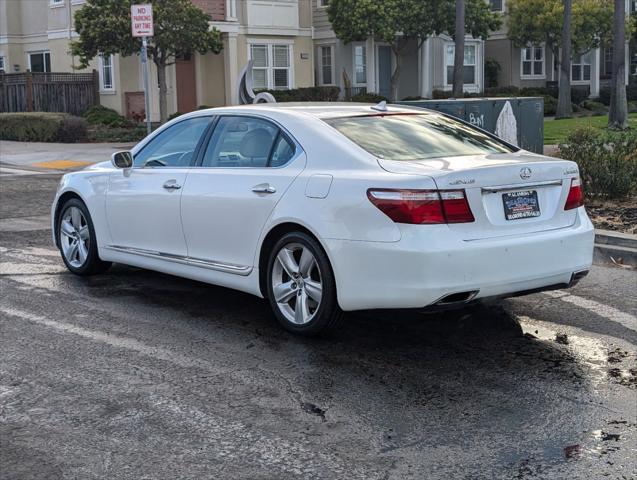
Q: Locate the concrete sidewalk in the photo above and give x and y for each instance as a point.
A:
(58, 156)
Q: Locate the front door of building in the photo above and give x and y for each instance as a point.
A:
(186, 86)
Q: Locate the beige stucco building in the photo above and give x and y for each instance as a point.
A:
(277, 34)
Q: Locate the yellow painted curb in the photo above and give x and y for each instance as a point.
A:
(57, 164)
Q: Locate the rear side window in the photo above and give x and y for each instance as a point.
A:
(240, 142)
(416, 137)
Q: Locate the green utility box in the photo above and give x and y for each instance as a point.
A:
(484, 113)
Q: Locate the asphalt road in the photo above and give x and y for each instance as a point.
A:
(139, 375)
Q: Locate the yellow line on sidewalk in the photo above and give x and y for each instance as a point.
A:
(57, 164)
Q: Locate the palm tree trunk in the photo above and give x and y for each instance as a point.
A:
(458, 59)
(618, 114)
(564, 108)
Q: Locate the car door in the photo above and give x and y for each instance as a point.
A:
(142, 203)
(247, 165)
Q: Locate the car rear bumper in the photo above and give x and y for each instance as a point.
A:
(431, 262)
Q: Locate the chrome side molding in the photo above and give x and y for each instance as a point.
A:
(242, 270)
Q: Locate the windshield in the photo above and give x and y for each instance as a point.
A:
(416, 136)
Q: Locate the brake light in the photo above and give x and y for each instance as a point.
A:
(422, 206)
(575, 195)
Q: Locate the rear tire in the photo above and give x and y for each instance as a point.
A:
(77, 241)
(301, 285)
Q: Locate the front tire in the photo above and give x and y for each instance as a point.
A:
(77, 241)
(301, 285)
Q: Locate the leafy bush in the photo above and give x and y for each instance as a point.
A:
(510, 91)
(42, 127)
(607, 161)
(632, 107)
(596, 107)
(578, 95)
(550, 105)
(412, 98)
(174, 115)
(367, 98)
(100, 115)
(604, 95)
(72, 129)
(102, 134)
(307, 94)
(491, 70)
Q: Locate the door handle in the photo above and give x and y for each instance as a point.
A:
(172, 185)
(263, 188)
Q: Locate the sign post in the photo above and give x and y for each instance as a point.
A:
(142, 26)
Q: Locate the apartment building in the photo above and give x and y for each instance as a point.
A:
(367, 66)
(536, 66)
(276, 34)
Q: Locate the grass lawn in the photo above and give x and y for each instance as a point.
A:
(555, 131)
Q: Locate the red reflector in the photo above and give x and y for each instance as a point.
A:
(422, 206)
(575, 195)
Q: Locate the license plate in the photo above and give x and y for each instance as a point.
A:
(521, 204)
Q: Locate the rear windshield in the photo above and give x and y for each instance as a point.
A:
(416, 137)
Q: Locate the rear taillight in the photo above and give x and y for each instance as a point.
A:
(422, 206)
(575, 195)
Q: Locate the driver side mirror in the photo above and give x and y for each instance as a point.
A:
(122, 159)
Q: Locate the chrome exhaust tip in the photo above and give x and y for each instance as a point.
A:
(576, 277)
(457, 298)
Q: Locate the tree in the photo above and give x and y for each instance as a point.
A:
(618, 113)
(181, 29)
(458, 59)
(532, 22)
(564, 107)
(399, 22)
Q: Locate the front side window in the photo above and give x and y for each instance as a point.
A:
(106, 72)
(40, 62)
(241, 142)
(326, 65)
(416, 136)
(533, 61)
(272, 66)
(175, 146)
(360, 65)
(469, 67)
(581, 68)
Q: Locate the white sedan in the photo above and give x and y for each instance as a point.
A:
(330, 208)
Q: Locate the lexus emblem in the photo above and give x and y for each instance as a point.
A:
(525, 173)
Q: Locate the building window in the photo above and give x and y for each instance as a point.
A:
(326, 70)
(272, 66)
(360, 64)
(1, 64)
(106, 72)
(581, 68)
(608, 62)
(469, 67)
(496, 5)
(40, 62)
(532, 61)
(57, 2)
(323, 3)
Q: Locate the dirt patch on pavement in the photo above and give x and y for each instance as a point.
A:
(620, 216)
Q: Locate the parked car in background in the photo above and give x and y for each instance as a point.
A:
(330, 208)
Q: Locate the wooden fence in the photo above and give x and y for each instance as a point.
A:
(71, 93)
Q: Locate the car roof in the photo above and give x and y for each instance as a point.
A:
(321, 110)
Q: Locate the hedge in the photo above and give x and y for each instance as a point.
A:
(607, 161)
(42, 127)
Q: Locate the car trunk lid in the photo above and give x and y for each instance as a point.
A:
(509, 194)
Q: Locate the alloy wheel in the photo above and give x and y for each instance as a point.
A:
(75, 237)
(297, 283)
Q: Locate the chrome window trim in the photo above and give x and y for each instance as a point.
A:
(243, 270)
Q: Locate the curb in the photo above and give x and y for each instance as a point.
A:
(615, 248)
